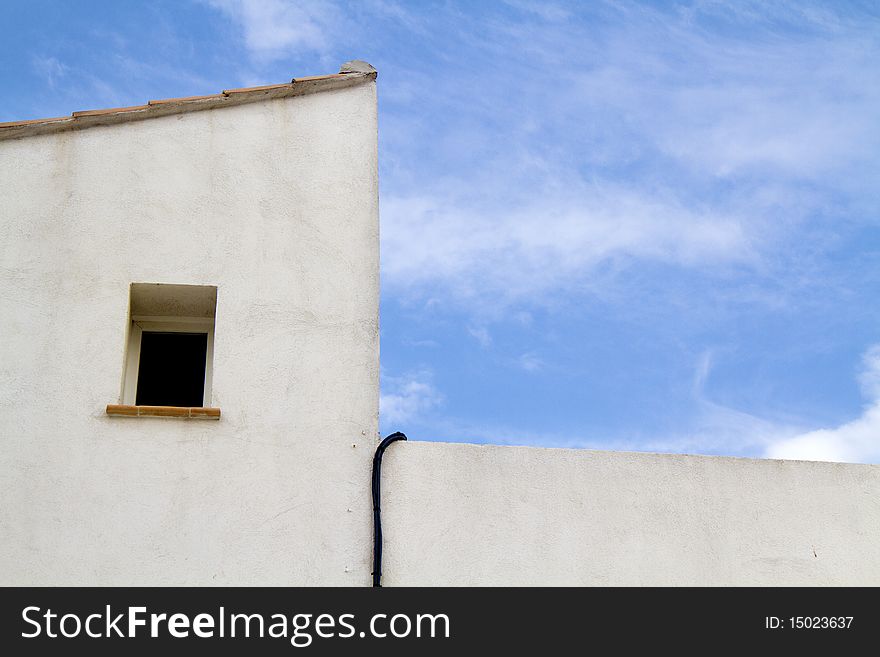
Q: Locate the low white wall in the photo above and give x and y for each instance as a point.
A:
(457, 514)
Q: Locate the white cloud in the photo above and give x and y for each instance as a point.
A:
(406, 399)
(273, 29)
(512, 252)
(854, 442)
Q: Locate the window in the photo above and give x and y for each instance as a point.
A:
(170, 347)
(171, 368)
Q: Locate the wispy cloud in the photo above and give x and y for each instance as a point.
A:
(719, 429)
(714, 427)
(548, 11)
(515, 252)
(530, 362)
(406, 399)
(50, 69)
(428, 344)
(481, 335)
(652, 136)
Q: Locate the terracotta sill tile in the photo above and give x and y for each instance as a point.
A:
(196, 412)
(204, 412)
(128, 411)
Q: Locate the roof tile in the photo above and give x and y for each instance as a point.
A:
(245, 90)
(186, 99)
(112, 110)
(15, 124)
(15, 129)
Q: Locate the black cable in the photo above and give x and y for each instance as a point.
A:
(377, 513)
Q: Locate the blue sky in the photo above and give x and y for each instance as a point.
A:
(615, 225)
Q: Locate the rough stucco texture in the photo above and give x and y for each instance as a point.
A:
(486, 515)
(276, 204)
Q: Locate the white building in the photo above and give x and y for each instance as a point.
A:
(189, 359)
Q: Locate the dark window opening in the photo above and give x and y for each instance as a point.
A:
(172, 369)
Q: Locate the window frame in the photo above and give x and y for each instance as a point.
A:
(165, 324)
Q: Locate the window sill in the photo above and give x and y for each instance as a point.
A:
(193, 412)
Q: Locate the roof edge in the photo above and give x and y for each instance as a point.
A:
(156, 108)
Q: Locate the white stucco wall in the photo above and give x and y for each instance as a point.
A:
(456, 514)
(273, 202)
